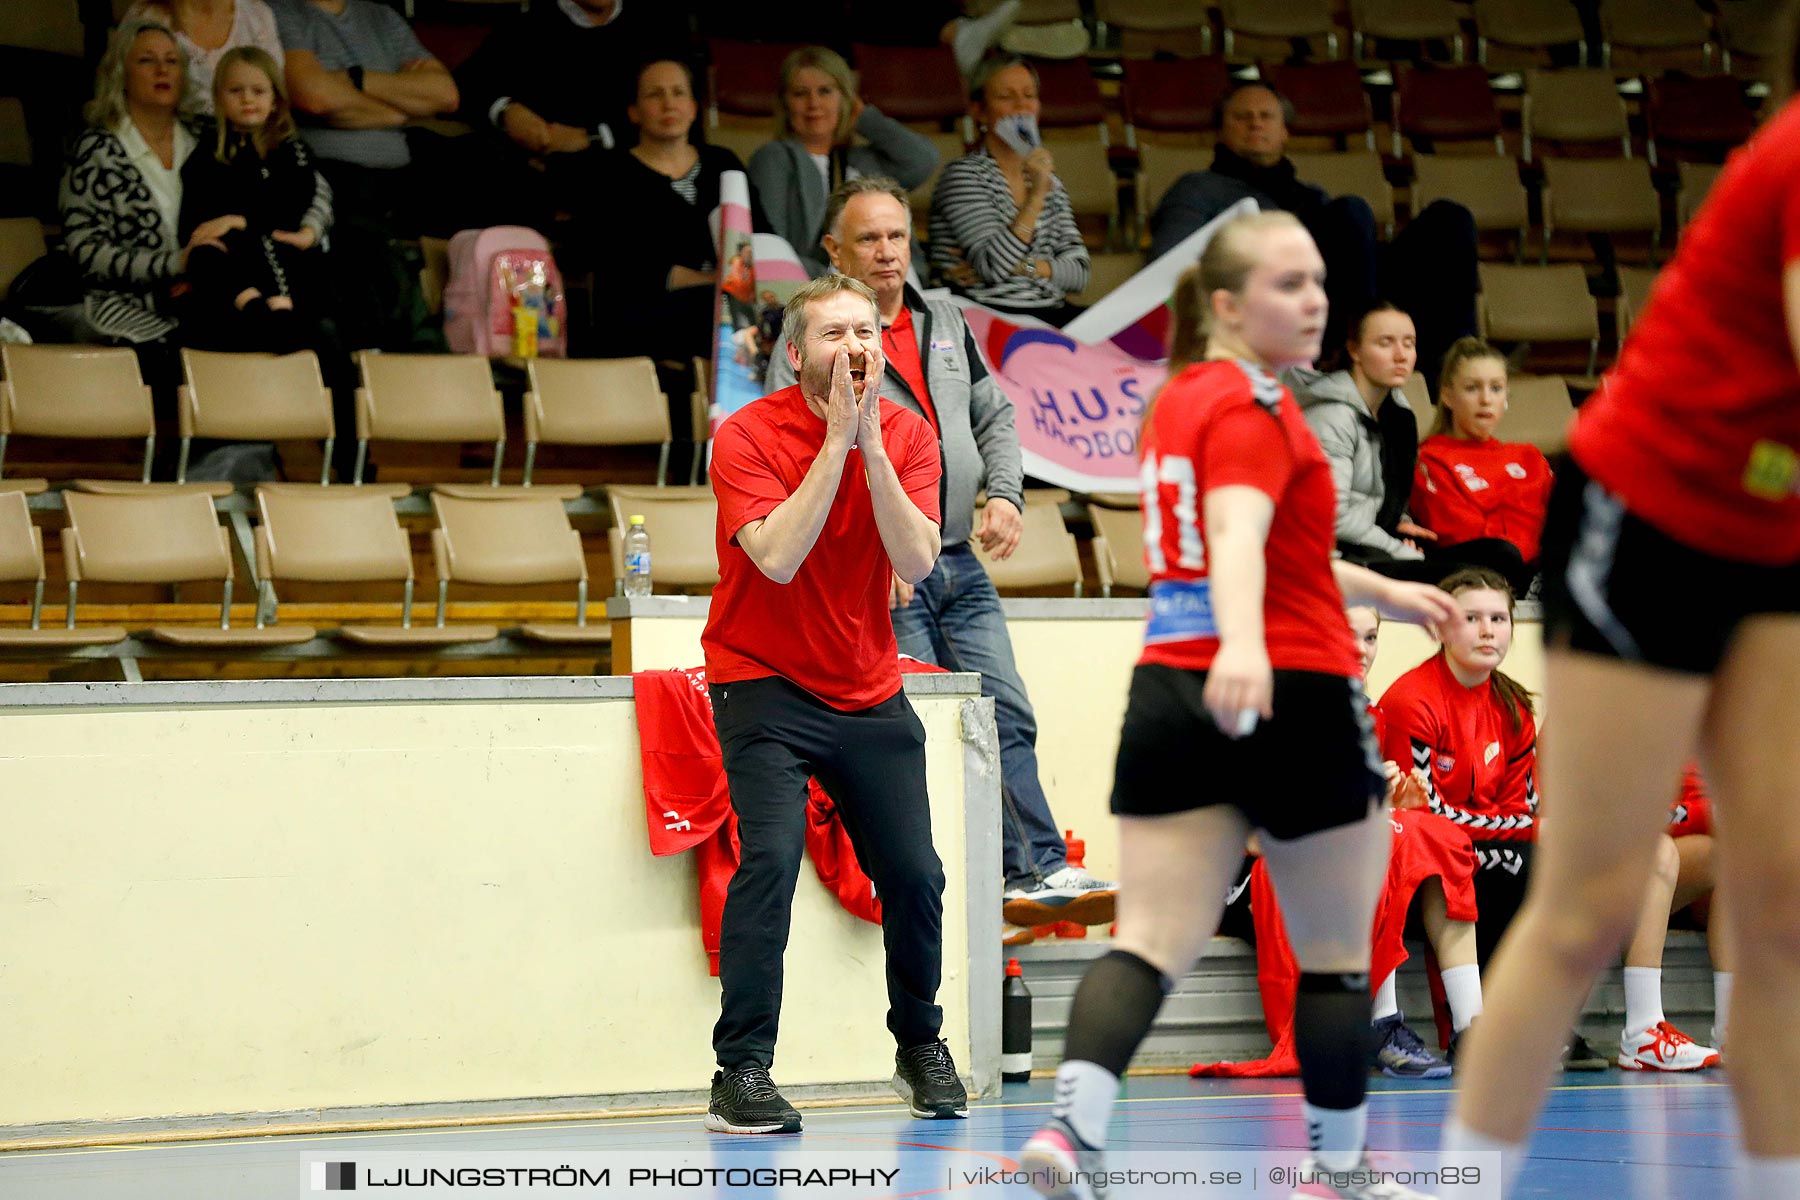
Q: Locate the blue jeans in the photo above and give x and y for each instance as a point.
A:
(955, 621)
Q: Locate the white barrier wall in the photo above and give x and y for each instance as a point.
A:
(1076, 658)
(235, 898)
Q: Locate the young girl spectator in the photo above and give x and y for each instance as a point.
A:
(1482, 499)
(1002, 229)
(1240, 672)
(1471, 730)
(818, 117)
(207, 30)
(259, 181)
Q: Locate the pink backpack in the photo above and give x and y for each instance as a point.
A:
(494, 274)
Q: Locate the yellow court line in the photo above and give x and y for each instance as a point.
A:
(215, 1139)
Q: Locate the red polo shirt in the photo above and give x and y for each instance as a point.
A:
(900, 345)
(828, 629)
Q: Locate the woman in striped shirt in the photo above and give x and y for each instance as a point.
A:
(1002, 230)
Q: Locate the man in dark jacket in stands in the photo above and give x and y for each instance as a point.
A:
(1428, 270)
(554, 86)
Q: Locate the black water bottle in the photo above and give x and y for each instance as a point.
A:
(1015, 1026)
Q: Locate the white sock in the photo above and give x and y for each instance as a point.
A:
(1643, 998)
(1337, 1135)
(1387, 1004)
(1460, 1140)
(1085, 1093)
(1462, 987)
(1721, 1005)
(974, 35)
(1758, 1178)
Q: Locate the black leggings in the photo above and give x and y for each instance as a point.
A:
(1499, 894)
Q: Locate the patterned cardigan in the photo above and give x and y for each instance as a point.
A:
(113, 231)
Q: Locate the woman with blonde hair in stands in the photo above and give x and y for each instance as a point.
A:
(206, 30)
(121, 191)
(1470, 730)
(1483, 500)
(818, 116)
(1248, 666)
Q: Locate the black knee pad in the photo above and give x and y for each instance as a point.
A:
(1114, 1006)
(1331, 1038)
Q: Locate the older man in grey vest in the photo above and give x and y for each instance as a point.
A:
(952, 617)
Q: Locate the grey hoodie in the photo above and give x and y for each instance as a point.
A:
(1352, 441)
(976, 437)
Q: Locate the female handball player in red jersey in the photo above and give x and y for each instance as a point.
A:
(1672, 584)
(1246, 711)
(1470, 730)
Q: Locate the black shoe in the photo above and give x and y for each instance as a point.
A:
(926, 1079)
(1578, 1055)
(744, 1100)
(1456, 1042)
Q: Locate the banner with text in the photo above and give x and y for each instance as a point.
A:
(1079, 393)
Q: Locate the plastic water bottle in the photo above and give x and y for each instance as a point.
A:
(1015, 1026)
(637, 559)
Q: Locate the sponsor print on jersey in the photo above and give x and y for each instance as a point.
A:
(1446, 763)
(1515, 470)
(1180, 611)
(1471, 480)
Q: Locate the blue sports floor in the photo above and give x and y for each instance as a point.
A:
(1606, 1136)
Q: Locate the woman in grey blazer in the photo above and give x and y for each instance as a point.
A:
(817, 114)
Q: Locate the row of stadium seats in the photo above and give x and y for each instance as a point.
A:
(67, 392)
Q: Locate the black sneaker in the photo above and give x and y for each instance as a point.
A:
(1400, 1054)
(1578, 1055)
(744, 1100)
(1456, 1042)
(926, 1079)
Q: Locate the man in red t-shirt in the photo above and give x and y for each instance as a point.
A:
(825, 492)
(953, 616)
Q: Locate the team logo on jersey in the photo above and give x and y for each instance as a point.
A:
(1773, 472)
(1471, 480)
(1515, 470)
(1490, 753)
(1446, 763)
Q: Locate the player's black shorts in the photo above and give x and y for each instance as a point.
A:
(1617, 587)
(1311, 767)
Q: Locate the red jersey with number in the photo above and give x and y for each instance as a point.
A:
(828, 629)
(1480, 769)
(1464, 490)
(1223, 424)
(1697, 428)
